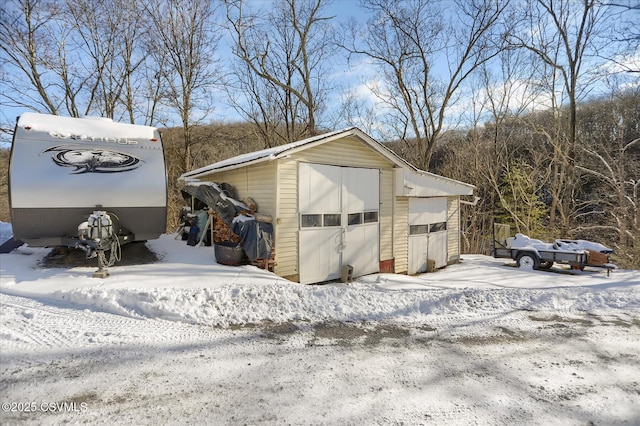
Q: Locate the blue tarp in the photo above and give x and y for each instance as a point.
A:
(257, 237)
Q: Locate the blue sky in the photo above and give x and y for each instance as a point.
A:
(350, 76)
(343, 10)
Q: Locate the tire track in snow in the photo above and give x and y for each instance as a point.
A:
(27, 323)
(36, 324)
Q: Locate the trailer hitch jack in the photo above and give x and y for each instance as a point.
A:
(102, 270)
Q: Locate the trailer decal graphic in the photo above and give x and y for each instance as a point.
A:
(92, 160)
(112, 140)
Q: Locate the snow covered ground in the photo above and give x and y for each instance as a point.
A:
(188, 341)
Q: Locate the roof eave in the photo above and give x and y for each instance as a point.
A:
(353, 131)
(207, 170)
(446, 179)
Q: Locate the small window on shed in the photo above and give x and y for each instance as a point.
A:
(355, 218)
(370, 217)
(332, 219)
(437, 227)
(311, 220)
(418, 229)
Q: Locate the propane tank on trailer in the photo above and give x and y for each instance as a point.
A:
(83, 231)
(99, 233)
(100, 226)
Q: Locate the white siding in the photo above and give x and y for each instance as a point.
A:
(386, 215)
(401, 235)
(424, 211)
(453, 225)
(424, 184)
(287, 219)
(257, 182)
(274, 186)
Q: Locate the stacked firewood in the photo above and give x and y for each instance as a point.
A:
(221, 232)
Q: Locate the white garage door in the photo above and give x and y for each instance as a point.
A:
(427, 233)
(339, 224)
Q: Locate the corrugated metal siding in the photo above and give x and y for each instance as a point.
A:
(401, 235)
(453, 227)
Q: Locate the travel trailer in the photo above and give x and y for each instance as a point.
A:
(88, 183)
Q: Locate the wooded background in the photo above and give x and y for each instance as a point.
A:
(536, 102)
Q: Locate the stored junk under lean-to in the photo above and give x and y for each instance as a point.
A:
(88, 183)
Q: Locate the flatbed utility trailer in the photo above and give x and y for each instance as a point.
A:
(531, 258)
(535, 254)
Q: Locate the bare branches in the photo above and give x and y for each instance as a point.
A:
(407, 41)
(282, 70)
(24, 32)
(187, 44)
(80, 58)
(560, 34)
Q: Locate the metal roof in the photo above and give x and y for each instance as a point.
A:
(281, 151)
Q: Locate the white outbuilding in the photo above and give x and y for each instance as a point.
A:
(343, 200)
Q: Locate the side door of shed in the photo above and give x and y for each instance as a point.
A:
(427, 233)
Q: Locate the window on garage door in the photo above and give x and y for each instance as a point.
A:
(437, 227)
(418, 229)
(339, 217)
(427, 228)
(371, 217)
(320, 220)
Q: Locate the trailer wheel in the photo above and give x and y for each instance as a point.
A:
(528, 261)
(545, 265)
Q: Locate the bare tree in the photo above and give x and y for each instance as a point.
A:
(499, 155)
(282, 73)
(110, 35)
(561, 34)
(31, 39)
(424, 56)
(356, 112)
(516, 176)
(187, 41)
(623, 64)
(263, 105)
(628, 13)
(611, 167)
(78, 58)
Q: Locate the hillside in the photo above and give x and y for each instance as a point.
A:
(510, 164)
